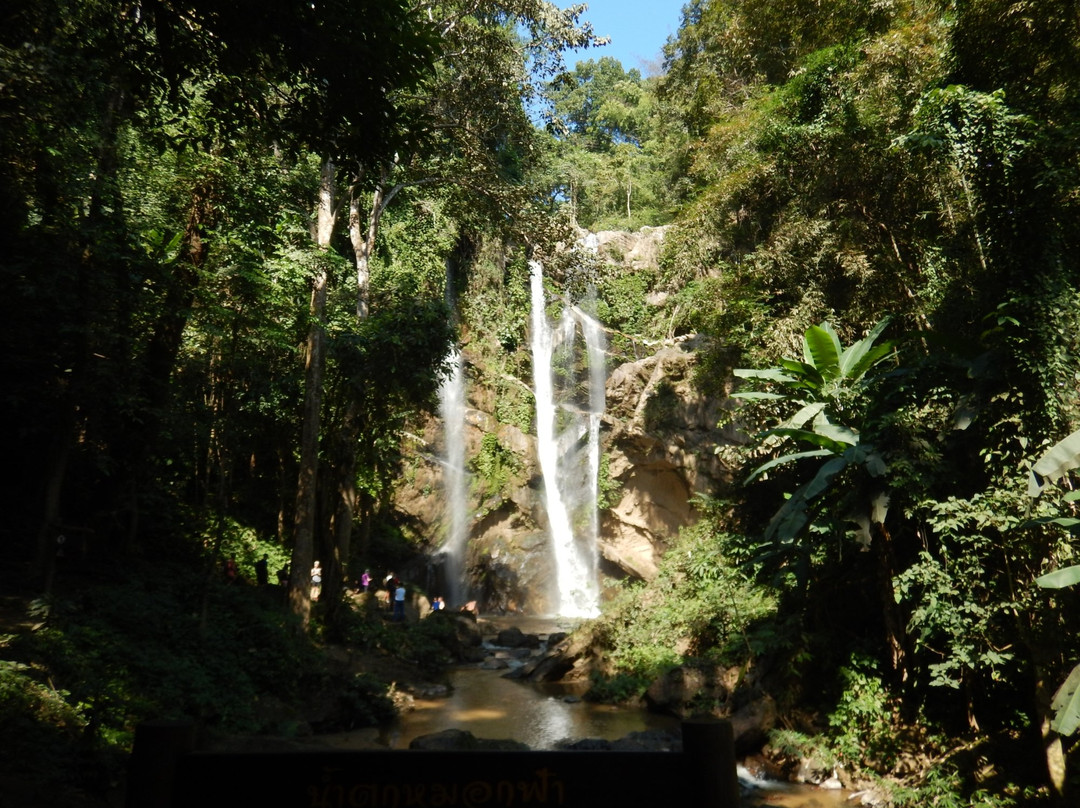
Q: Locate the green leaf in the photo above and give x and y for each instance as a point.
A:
(1066, 705)
(837, 432)
(1061, 458)
(768, 374)
(805, 376)
(752, 395)
(804, 415)
(863, 355)
(1067, 576)
(789, 520)
(825, 442)
(789, 458)
(1067, 522)
(824, 476)
(821, 346)
(875, 464)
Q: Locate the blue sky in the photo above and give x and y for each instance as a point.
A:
(637, 28)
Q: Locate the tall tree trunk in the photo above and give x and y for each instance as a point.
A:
(303, 552)
(344, 453)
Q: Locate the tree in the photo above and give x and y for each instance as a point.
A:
(139, 88)
(466, 136)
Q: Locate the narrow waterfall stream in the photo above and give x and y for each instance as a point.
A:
(455, 475)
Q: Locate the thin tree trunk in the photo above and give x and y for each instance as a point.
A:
(363, 238)
(894, 627)
(303, 551)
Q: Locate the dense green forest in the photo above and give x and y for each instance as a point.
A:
(227, 231)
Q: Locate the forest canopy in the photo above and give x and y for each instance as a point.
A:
(240, 239)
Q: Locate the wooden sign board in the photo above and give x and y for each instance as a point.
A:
(165, 772)
(419, 779)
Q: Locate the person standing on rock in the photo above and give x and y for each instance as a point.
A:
(399, 602)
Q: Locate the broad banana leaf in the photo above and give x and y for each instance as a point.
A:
(1066, 576)
(768, 374)
(754, 395)
(1056, 463)
(807, 377)
(804, 415)
(837, 432)
(1066, 705)
(789, 521)
(824, 441)
(863, 355)
(780, 461)
(821, 349)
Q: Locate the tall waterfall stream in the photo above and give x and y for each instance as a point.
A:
(560, 429)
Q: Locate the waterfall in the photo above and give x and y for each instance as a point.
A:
(455, 475)
(562, 426)
(596, 351)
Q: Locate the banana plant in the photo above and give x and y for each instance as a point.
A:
(1054, 464)
(824, 386)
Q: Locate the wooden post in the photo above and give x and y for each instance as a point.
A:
(152, 769)
(709, 749)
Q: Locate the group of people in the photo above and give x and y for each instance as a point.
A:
(395, 587)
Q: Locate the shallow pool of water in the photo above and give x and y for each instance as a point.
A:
(491, 706)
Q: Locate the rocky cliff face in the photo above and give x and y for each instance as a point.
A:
(659, 438)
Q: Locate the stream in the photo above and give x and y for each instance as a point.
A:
(489, 705)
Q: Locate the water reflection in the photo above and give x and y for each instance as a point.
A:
(490, 706)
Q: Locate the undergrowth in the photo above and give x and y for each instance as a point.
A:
(162, 641)
(698, 607)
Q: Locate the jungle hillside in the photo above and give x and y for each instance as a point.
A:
(240, 240)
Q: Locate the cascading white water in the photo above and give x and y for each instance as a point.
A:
(596, 351)
(559, 432)
(455, 475)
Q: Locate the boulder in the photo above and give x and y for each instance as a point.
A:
(459, 740)
(514, 637)
(683, 690)
(751, 724)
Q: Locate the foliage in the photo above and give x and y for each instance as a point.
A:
(827, 387)
(363, 702)
(697, 607)
(607, 487)
(621, 688)
(862, 727)
(607, 160)
(494, 466)
(151, 641)
(1056, 462)
(430, 644)
(38, 723)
